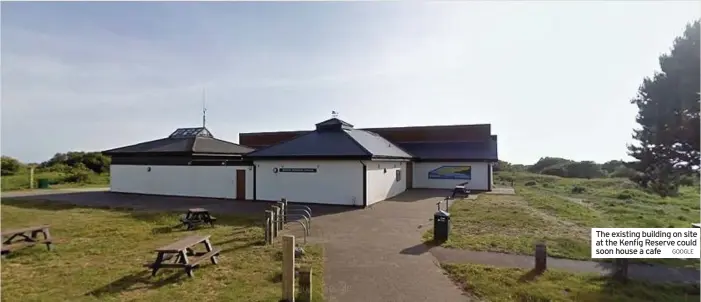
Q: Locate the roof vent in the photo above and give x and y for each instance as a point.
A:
(333, 124)
(191, 132)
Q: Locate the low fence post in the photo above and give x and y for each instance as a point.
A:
(280, 214)
(305, 284)
(620, 269)
(268, 227)
(265, 228)
(541, 257)
(288, 268)
(276, 214)
(31, 177)
(283, 209)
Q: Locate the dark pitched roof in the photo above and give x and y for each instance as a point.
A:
(441, 133)
(184, 140)
(333, 138)
(481, 150)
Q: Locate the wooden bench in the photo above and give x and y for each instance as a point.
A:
(197, 216)
(28, 237)
(461, 190)
(184, 254)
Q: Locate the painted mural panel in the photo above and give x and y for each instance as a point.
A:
(451, 172)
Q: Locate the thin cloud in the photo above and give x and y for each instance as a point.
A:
(539, 72)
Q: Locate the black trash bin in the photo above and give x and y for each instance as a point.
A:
(441, 226)
(43, 183)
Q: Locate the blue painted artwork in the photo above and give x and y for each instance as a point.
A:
(451, 172)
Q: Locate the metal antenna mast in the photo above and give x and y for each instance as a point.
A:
(204, 109)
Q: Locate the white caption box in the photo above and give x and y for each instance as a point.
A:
(661, 243)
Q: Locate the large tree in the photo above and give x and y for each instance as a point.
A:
(668, 115)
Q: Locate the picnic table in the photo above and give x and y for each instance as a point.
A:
(28, 237)
(460, 189)
(184, 254)
(197, 216)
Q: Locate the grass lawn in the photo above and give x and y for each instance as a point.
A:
(99, 254)
(549, 211)
(510, 284)
(56, 180)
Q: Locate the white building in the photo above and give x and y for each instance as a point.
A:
(338, 164)
(189, 162)
(333, 164)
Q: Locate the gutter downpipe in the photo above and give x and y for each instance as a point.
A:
(365, 184)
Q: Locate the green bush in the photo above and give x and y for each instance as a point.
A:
(94, 161)
(9, 166)
(689, 180)
(624, 195)
(530, 183)
(557, 170)
(623, 172)
(60, 168)
(78, 176)
(578, 190)
(546, 162)
(584, 169)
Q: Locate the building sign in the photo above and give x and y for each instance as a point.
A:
(295, 170)
(451, 172)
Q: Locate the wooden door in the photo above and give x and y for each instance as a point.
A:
(409, 175)
(241, 184)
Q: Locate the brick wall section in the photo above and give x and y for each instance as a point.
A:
(452, 133)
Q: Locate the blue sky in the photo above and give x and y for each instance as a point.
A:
(553, 78)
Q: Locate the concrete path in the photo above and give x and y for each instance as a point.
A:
(651, 273)
(502, 191)
(39, 192)
(373, 254)
(376, 254)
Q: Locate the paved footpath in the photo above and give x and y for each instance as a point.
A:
(372, 254)
(376, 254)
(651, 273)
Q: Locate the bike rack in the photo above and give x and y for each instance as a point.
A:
(306, 228)
(306, 231)
(296, 211)
(299, 207)
(301, 212)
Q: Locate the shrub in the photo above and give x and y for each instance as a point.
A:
(624, 172)
(78, 176)
(546, 162)
(584, 169)
(94, 161)
(578, 190)
(505, 178)
(60, 168)
(530, 183)
(10, 166)
(556, 170)
(689, 180)
(624, 195)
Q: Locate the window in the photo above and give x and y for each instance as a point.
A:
(399, 175)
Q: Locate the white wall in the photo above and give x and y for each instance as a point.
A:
(335, 182)
(199, 181)
(479, 181)
(381, 180)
